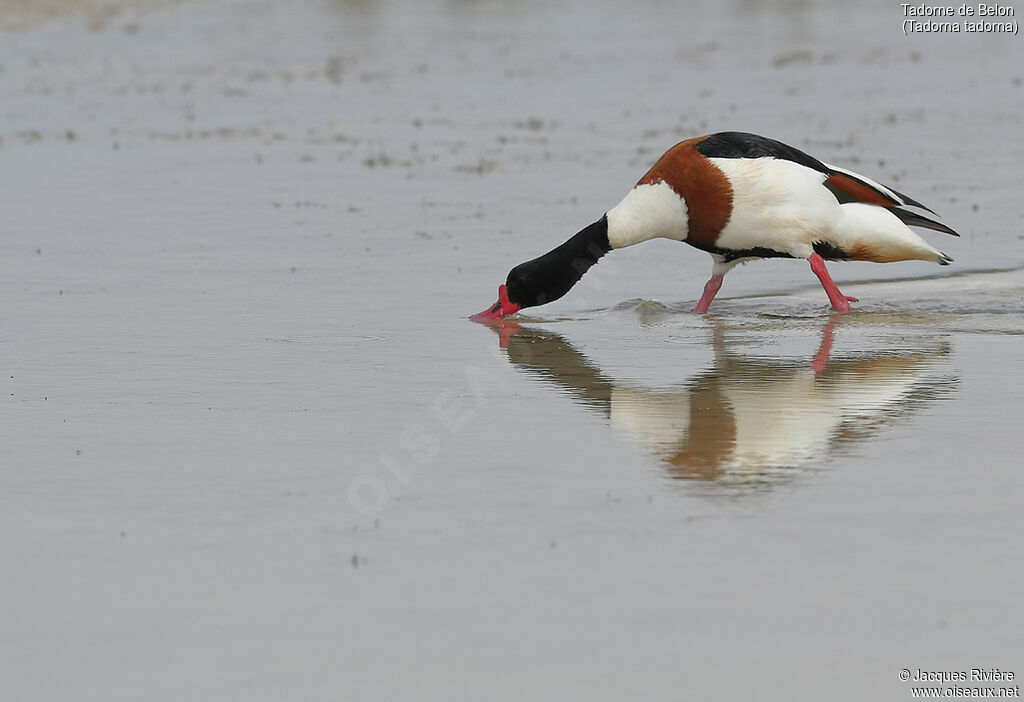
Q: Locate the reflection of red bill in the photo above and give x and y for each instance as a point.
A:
(499, 309)
(504, 328)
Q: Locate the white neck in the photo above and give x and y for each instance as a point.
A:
(649, 211)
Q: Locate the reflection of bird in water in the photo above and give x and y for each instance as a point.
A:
(745, 419)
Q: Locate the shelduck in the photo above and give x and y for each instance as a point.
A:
(739, 197)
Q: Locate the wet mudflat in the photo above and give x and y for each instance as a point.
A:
(250, 447)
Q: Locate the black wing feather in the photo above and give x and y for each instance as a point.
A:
(744, 145)
(912, 219)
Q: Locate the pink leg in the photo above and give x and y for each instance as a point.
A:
(839, 301)
(710, 290)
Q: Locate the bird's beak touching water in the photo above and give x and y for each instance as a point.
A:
(499, 309)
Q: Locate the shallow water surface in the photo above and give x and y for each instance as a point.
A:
(251, 447)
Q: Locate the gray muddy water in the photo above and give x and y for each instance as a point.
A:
(251, 447)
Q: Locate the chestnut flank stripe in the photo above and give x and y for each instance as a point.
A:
(701, 184)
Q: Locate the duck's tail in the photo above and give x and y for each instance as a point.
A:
(881, 234)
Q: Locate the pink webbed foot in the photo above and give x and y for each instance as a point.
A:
(843, 305)
(839, 301)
